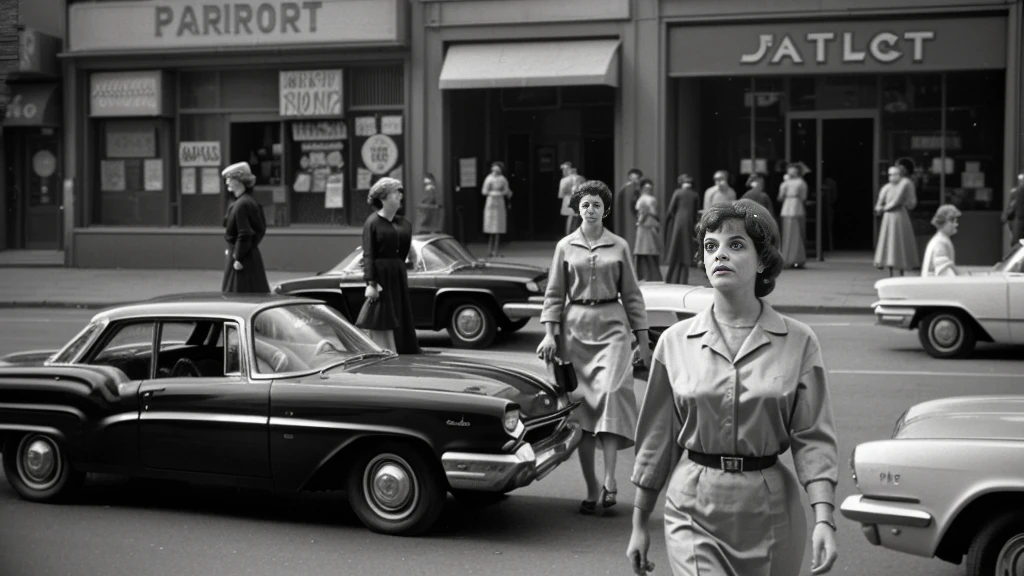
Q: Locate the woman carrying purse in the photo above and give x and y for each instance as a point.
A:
(592, 268)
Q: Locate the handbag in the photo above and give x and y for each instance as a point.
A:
(565, 375)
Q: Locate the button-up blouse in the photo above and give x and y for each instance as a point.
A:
(771, 397)
(603, 271)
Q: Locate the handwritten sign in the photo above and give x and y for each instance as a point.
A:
(380, 154)
(391, 125)
(310, 93)
(199, 154)
(366, 126)
(125, 94)
(319, 131)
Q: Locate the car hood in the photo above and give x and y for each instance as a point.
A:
(454, 373)
(933, 286)
(524, 272)
(27, 358)
(682, 297)
(967, 417)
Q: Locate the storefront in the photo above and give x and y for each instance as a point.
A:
(312, 94)
(848, 96)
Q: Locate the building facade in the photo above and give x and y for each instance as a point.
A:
(324, 97)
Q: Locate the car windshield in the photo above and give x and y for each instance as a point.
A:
(443, 253)
(78, 343)
(349, 262)
(1014, 261)
(304, 338)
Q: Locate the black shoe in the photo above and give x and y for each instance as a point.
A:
(588, 507)
(608, 497)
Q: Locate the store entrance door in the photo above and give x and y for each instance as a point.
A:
(33, 204)
(840, 147)
(257, 140)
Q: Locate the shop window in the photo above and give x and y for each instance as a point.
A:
(131, 176)
(377, 86)
(199, 90)
(201, 195)
(249, 89)
(259, 144)
(317, 171)
(974, 139)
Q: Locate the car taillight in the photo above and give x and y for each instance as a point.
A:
(511, 421)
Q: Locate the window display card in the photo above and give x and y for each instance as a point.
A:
(391, 125)
(761, 165)
(320, 179)
(364, 179)
(366, 126)
(972, 166)
(188, 180)
(210, 180)
(746, 166)
(153, 174)
(467, 172)
(112, 176)
(335, 197)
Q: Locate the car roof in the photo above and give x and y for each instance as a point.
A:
(201, 304)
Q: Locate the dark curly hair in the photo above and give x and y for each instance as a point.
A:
(592, 188)
(759, 225)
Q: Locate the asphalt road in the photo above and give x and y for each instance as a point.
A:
(131, 527)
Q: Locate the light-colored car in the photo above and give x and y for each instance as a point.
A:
(949, 484)
(951, 313)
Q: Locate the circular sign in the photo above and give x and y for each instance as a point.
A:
(380, 154)
(44, 163)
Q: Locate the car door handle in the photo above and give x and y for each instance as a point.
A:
(149, 393)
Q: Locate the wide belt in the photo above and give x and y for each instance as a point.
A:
(586, 302)
(733, 463)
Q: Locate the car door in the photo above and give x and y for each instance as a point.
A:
(201, 413)
(1015, 295)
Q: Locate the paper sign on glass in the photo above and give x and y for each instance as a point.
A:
(112, 176)
(746, 166)
(303, 183)
(188, 180)
(210, 180)
(391, 125)
(335, 196)
(467, 172)
(153, 174)
(366, 126)
(364, 179)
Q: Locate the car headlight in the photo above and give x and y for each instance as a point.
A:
(511, 421)
(532, 286)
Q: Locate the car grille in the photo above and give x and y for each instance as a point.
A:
(535, 435)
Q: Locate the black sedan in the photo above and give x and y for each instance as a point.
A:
(449, 287)
(278, 393)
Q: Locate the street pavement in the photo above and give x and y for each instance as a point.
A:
(130, 527)
(843, 283)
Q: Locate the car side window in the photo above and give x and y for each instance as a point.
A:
(191, 349)
(129, 348)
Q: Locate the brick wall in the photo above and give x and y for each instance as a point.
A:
(8, 48)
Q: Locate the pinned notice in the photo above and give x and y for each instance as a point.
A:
(366, 126)
(391, 125)
(310, 93)
(112, 177)
(467, 172)
(199, 154)
(188, 180)
(364, 179)
(153, 174)
(211, 180)
(335, 197)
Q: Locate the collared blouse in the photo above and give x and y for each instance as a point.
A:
(600, 272)
(939, 257)
(771, 397)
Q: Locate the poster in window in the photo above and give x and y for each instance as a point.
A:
(112, 176)
(467, 172)
(380, 154)
(335, 196)
(210, 180)
(153, 174)
(188, 180)
(320, 150)
(364, 178)
(375, 156)
(366, 126)
(391, 125)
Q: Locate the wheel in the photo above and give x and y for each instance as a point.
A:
(998, 548)
(38, 468)
(516, 326)
(947, 334)
(471, 325)
(477, 499)
(395, 490)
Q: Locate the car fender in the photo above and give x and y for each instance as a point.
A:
(987, 327)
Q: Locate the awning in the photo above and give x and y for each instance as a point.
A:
(33, 105)
(522, 64)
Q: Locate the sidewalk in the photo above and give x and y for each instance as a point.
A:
(842, 284)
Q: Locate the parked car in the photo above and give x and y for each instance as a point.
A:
(951, 313)
(450, 289)
(949, 484)
(279, 393)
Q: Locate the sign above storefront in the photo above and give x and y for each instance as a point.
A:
(38, 53)
(310, 93)
(126, 94)
(177, 24)
(829, 47)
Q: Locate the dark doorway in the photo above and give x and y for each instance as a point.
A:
(803, 147)
(847, 160)
(259, 144)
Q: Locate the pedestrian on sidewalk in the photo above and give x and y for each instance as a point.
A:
(721, 192)
(244, 228)
(793, 195)
(430, 207)
(897, 247)
(757, 194)
(386, 315)
(570, 180)
(648, 247)
(1013, 216)
(682, 216)
(624, 212)
(940, 255)
(497, 191)
(732, 507)
(594, 298)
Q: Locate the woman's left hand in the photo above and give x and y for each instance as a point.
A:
(237, 265)
(823, 549)
(644, 345)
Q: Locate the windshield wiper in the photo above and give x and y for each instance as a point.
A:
(356, 358)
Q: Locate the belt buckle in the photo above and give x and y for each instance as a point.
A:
(732, 464)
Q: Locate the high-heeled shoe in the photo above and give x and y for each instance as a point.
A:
(588, 507)
(608, 497)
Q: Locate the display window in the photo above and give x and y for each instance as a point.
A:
(131, 173)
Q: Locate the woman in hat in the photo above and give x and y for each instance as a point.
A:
(793, 195)
(496, 190)
(244, 227)
(940, 256)
(648, 246)
(386, 315)
(682, 215)
(897, 246)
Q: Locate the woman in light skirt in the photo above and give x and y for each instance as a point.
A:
(793, 195)
(897, 246)
(496, 190)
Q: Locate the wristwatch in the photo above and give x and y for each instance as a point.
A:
(828, 523)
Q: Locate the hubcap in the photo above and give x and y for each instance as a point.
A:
(469, 322)
(946, 333)
(39, 462)
(390, 487)
(1011, 558)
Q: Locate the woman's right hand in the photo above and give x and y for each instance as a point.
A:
(547, 349)
(639, 545)
(371, 293)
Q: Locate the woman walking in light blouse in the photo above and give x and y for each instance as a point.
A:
(736, 386)
(793, 195)
(592, 269)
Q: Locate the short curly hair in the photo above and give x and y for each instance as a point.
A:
(592, 188)
(380, 189)
(944, 214)
(759, 225)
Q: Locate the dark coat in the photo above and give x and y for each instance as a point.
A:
(1014, 215)
(386, 245)
(682, 217)
(762, 198)
(244, 227)
(624, 212)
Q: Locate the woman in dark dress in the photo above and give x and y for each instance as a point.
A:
(244, 227)
(682, 217)
(386, 315)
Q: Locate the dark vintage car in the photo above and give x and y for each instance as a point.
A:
(279, 393)
(450, 289)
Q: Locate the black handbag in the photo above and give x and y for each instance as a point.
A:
(565, 375)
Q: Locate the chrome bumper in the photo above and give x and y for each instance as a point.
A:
(871, 513)
(506, 472)
(529, 309)
(897, 316)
